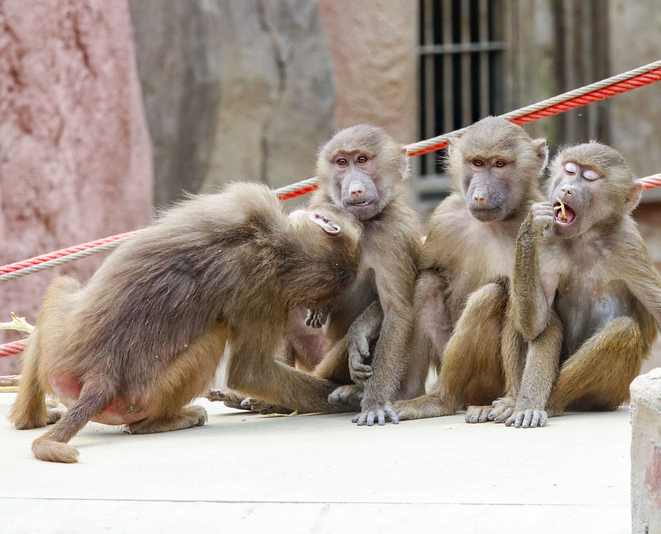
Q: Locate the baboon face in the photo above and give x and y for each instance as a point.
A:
(496, 164)
(591, 186)
(361, 168)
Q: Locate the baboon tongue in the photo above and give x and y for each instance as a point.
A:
(569, 215)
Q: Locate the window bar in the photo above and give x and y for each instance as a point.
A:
(466, 108)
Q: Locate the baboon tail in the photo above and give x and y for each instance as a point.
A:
(52, 446)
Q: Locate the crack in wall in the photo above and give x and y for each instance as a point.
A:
(281, 65)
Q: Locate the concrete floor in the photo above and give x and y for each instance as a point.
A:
(320, 473)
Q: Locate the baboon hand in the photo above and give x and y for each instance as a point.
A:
(359, 351)
(351, 394)
(316, 318)
(502, 409)
(478, 414)
(527, 419)
(376, 411)
(543, 216)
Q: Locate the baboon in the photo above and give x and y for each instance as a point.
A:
(585, 294)
(145, 335)
(362, 170)
(465, 264)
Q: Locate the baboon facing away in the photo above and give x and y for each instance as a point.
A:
(585, 294)
(465, 265)
(146, 334)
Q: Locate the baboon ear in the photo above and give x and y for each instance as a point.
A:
(634, 196)
(451, 144)
(542, 152)
(325, 223)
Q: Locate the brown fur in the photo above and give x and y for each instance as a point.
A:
(390, 247)
(461, 292)
(145, 336)
(585, 292)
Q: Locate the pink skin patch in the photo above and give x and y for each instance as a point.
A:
(653, 478)
(119, 412)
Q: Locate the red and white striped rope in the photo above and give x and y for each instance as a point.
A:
(582, 96)
(650, 182)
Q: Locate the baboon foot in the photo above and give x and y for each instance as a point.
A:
(187, 418)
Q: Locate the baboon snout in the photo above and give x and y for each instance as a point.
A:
(356, 189)
(479, 196)
(568, 191)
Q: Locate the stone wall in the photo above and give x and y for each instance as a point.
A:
(374, 50)
(75, 157)
(234, 90)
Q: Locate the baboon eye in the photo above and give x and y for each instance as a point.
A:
(590, 175)
(571, 168)
(362, 159)
(499, 163)
(478, 163)
(341, 162)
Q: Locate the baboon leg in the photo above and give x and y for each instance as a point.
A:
(471, 368)
(598, 375)
(432, 332)
(29, 409)
(253, 371)
(183, 380)
(335, 365)
(513, 356)
(304, 346)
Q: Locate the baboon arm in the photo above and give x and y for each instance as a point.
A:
(389, 359)
(644, 280)
(541, 367)
(362, 331)
(532, 295)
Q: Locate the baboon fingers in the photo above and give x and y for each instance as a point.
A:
(379, 414)
(477, 414)
(527, 419)
(501, 416)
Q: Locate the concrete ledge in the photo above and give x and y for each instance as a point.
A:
(177, 517)
(646, 453)
(320, 473)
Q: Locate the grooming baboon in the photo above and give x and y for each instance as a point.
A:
(461, 291)
(362, 170)
(585, 294)
(145, 335)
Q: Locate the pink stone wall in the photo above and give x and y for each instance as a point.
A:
(374, 51)
(75, 156)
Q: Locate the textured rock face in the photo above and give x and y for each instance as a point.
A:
(234, 90)
(374, 48)
(75, 158)
(646, 453)
(636, 115)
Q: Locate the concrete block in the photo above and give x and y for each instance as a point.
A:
(646, 453)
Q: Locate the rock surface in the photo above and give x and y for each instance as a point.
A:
(375, 60)
(75, 157)
(234, 90)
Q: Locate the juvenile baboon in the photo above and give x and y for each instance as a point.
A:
(145, 335)
(466, 261)
(585, 294)
(362, 170)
